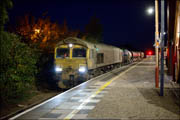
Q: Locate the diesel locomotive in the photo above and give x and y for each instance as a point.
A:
(77, 60)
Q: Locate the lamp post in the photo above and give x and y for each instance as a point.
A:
(150, 11)
(156, 44)
(162, 47)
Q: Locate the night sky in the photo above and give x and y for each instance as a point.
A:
(125, 22)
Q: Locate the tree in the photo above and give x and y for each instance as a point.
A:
(94, 30)
(18, 67)
(17, 61)
(42, 32)
(4, 5)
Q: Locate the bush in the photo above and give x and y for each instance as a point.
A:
(17, 67)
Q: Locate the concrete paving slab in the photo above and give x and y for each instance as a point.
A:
(93, 87)
(83, 112)
(70, 100)
(51, 115)
(85, 93)
(82, 107)
(62, 116)
(63, 111)
(90, 101)
(80, 116)
(102, 92)
(98, 96)
(67, 105)
(90, 90)
(33, 115)
(91, 104)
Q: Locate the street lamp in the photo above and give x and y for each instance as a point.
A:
(150, 11)
(156, 44)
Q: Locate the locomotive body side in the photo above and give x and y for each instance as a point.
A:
(106, 57)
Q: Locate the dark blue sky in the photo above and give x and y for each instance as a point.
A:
(124, 21)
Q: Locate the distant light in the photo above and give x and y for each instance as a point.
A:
(164, 33)
(150, 10)
(70, 45)
(150, 53)
(37, 30)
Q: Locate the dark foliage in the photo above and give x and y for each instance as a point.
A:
(94, 30)
(18, 67)
(46, 72)
(4, 5)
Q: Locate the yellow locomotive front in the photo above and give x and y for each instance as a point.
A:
(71, 64)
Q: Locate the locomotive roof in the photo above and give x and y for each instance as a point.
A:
(75, 40)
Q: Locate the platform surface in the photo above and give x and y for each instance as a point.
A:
(125, 93)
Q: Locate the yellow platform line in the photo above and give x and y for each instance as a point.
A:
(70, 115)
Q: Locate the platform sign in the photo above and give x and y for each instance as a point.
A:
(158, 42)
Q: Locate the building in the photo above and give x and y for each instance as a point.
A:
(173, 38)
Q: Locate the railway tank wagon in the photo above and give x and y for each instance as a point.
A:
(77, 60)
(127, 56)
(142, 55)
(136, 56)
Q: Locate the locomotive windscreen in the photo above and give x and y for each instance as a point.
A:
(79, 52)
(62, 52)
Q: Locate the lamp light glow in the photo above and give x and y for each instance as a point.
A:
(58, 69)
(70, 45)
(150, 10)
(82, 69)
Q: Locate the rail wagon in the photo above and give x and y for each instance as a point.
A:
(127, 56)
(142, 55)
(77, 60)
(136, 56)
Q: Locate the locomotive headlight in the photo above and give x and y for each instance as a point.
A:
(70, 45)
(82, 69)
(58, 69)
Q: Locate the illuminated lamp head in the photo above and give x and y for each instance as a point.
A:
(70, 45)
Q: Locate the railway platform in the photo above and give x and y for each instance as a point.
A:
(125, 93)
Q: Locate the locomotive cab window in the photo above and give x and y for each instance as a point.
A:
(79, 52)
(62, 52)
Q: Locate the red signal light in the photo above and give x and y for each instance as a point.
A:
(150, 53)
